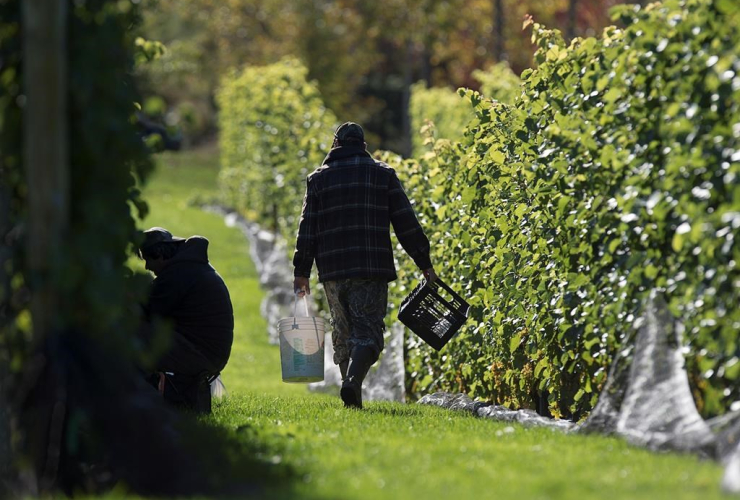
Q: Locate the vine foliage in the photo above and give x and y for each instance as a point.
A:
(275, 130)
(90, 280)
(611, 171)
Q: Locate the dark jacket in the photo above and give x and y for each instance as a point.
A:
(190, 292)
(350, 203)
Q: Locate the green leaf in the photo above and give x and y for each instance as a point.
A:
(468, 194)
(579, 394)
(514, 342)
(678, 241)
(612, 94)
(541, 365)
(497, 157)
(651, 271)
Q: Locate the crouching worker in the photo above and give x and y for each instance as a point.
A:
(189, 294)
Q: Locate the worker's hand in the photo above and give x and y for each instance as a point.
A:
(300, 286)
(430, 275)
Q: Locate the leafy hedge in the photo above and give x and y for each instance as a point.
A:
(612, 173)
(275, 130)
(438, 111)
(499, 82)
(615, 172)
(449, 114)
(106, 158)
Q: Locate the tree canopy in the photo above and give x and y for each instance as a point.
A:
(364, 55)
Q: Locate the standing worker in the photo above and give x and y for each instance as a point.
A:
(350, 203)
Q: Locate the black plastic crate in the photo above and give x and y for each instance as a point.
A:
(426, 313)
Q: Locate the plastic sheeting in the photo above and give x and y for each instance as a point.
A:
(728, 450)
(218, 389)
(647, 398)
(731, 478)
(270, 256)
(386, 380)
(462, 402)
(727, 429)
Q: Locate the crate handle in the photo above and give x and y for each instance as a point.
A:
(438, 282)
(444, 287)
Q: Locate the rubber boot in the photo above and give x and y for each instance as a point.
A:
(360, 361)
(343, 368)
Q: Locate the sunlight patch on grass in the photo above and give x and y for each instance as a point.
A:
(391, 450)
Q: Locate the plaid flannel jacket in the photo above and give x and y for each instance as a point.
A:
(350, 203)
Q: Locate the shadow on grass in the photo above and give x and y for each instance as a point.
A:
(115, 432)
(238, 464)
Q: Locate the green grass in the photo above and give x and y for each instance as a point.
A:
(391, 450)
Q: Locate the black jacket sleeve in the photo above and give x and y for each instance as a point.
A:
(407, 227)
(165, 293)
(306, 242)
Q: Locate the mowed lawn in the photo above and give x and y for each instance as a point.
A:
(390, 450)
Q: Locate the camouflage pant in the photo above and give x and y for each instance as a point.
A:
(358, 308)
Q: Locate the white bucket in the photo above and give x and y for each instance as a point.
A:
(302, 347)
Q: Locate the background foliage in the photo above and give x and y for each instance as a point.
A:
(499, 82)
(91, 276)
(449, 113)
(11, 299)
(78, 403)
(90, 281)
(364, 55)
(437, 112)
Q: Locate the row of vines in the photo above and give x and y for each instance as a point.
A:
(611, 173)
(49, 373)
(76, 416)
(275, 130)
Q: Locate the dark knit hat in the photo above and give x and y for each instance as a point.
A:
(350, 132)
(156, 235)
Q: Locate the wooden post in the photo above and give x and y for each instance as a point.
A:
(5, 254)
(571, 30)
(498, 31)
(46, 157)
(406, 99)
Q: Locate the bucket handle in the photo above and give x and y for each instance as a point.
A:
(295, 305)
(315, 326)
